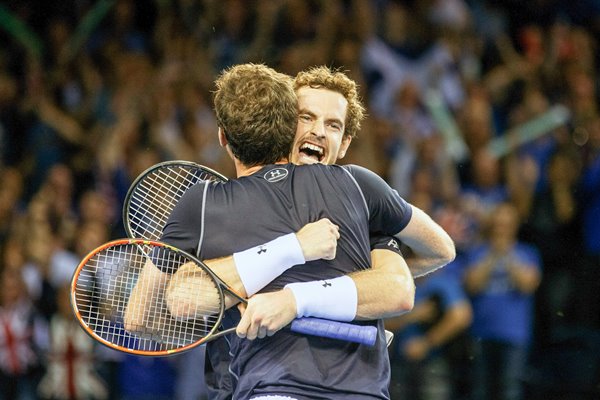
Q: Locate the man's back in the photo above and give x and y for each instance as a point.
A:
(219, 219)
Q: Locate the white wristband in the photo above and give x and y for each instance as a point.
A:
(335, 299)
(258, 266)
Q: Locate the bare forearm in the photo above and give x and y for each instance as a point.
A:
(421, 266)
(225, 269)
(525, 278)
(564, 203)
(67, 127)
(382, 296)
(478, 277)
(248, 271)
(431, 245)
(455, 320)
(148, 290)
(386, 290)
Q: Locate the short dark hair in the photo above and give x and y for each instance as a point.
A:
(257, 109)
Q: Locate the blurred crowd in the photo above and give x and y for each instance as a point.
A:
(83, 112)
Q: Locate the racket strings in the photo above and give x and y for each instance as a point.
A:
(155, 196)
(104, 287)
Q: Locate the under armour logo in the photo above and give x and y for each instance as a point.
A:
(276, 174)
(325, 284)
(393, 243)
(261, 249)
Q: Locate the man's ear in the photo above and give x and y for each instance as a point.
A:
(346, 140)
(222, 139)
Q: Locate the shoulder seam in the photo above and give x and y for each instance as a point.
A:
(360, 191)
(202, 210)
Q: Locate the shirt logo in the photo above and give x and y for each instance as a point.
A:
(275, 175)
(393, 243)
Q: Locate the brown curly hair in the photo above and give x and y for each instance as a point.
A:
(337, 81)
(257, 109)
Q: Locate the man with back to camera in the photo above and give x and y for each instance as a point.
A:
(347, 254)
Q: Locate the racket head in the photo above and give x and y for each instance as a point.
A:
(102, 285)
(155, 192)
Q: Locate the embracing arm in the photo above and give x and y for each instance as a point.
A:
(387, 289)
(390, 214)
(317, 240)
(147, 292)
(432, 246)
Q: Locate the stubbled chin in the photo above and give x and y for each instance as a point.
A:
(304, 159)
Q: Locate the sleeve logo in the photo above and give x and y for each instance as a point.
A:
(393, 243)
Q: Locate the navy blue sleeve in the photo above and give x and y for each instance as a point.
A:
(184, 227)
(381, 242)
(388, 212)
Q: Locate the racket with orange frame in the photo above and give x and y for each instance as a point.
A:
(122, 300)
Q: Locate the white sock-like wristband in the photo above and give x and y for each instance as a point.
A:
(258, 266)
(335, 299)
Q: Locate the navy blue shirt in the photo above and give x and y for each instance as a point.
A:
(217, 219)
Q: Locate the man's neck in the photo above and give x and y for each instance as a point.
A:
(243, 170)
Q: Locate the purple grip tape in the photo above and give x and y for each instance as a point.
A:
(364, 334)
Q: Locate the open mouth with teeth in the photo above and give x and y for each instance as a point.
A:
(311, 153)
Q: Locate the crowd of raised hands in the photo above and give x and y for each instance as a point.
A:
(79, 123)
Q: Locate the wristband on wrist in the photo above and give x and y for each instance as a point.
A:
(259, 265)
(335, 299)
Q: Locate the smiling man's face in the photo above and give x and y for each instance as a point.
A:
(321, 124)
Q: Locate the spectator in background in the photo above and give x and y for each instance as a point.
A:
(497, 64)
(482, 194)
(406, 48)
(122, 29)
(550, 217)
(11, 191)
(21, 333)
(422, 369)
(55, 203)
(48, 231)
(91, 233)
(476, 122)
(94, 206)
(501, 276)
(53, 133)
(70, 362)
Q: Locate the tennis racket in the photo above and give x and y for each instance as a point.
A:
(105, 295)
(155, 192)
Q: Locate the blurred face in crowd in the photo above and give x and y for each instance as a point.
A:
(321, 125)
(486, 169)
(504, 222)
(12, 288)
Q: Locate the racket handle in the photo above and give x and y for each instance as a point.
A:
(364, 334)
